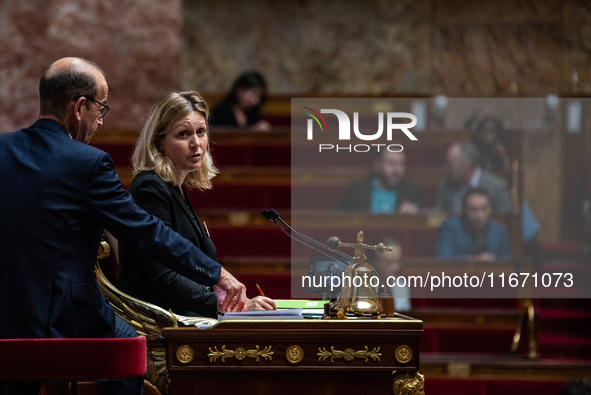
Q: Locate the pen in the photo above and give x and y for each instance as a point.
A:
(260, 290)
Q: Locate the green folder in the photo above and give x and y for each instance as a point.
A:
(300, 304)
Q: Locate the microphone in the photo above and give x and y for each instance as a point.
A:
(267, 214)
(332, 243)
(273, 216)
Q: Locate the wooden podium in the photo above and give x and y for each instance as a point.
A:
(377, 356)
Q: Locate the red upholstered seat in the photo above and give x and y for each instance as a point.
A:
(72, 359)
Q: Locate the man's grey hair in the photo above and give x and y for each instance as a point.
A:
(470, 153)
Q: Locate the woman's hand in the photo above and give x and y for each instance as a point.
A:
(261, 303)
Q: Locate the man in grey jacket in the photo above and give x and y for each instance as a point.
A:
(464, 171)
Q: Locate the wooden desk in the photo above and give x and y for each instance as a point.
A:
(296, 356)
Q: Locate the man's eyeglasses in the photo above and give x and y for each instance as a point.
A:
(103, 108)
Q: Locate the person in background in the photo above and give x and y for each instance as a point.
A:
(171, 156)
(388, 266)
(241, 108)
(386, 191)
(473, 234)
(463, 172)
(489, 138)
(57, 195)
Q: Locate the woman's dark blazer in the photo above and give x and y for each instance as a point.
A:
(143, 277)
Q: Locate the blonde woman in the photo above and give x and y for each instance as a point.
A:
(171, 156)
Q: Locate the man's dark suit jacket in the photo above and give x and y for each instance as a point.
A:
(57, 195)
(454, 242)
(358, 195)
(144, 277)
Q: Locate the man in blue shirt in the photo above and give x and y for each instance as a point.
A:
(386, 191)
(473, 234)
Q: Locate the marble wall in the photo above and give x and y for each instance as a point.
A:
(310, 47)
(136, 43)
(379, 47)
(304, 47)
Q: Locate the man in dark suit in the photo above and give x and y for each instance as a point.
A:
(57, 195)
(473, 234)
(386, 191)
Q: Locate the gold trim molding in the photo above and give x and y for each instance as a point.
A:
(185, 354)
(349, 354)
(294, 354)
(240, 353)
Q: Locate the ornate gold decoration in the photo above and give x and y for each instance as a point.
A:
(240, 353)
(528, 315)
(409, 384)
(294, 354)
(104, 250)
(147, 319)
(185, 354)
(349, 354)
(403, 354)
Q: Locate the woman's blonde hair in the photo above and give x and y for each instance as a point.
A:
(165, 113)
